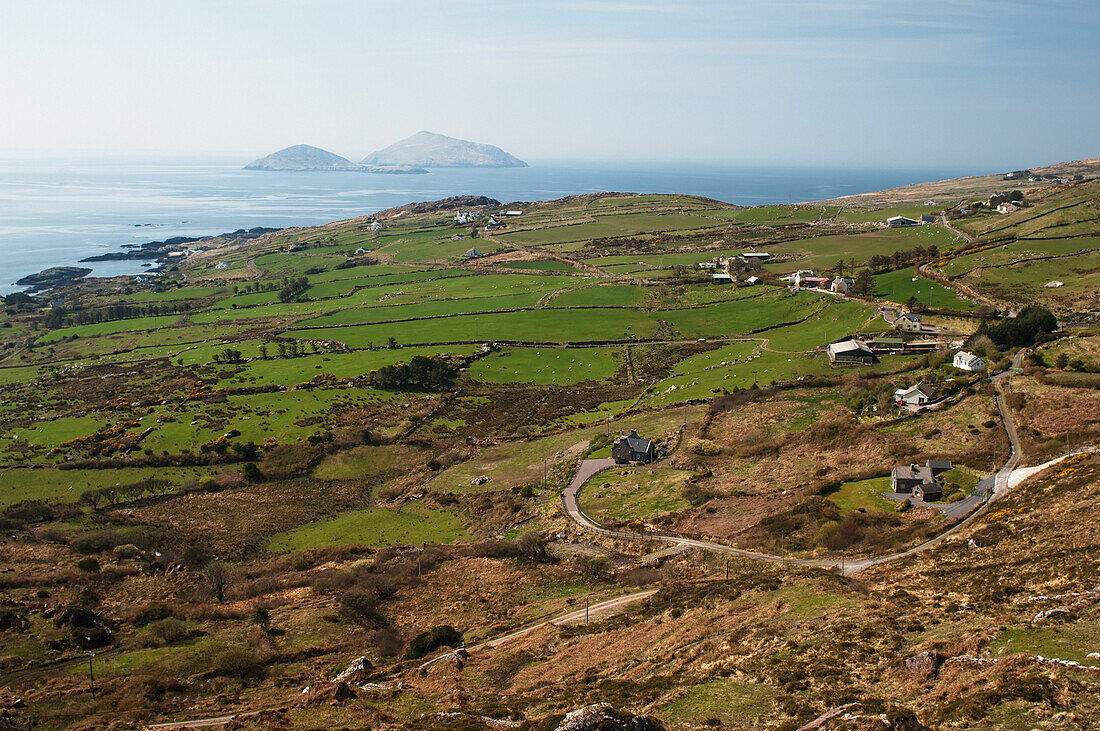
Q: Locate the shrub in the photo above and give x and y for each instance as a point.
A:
(703, 447)
(388, 642)
(98, 541)
(164, 632)
(238, 662)
(88, 565)
(441, 636)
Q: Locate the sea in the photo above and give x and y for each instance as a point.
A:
(54, 213)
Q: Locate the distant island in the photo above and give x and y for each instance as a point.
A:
(308, 157)
(430, 150)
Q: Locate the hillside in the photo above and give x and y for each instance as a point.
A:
(430, 150)
(289, 451)
(307, 157)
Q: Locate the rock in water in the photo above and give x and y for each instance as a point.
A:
(429, 150)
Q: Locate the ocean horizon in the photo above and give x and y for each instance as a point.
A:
(54, 213)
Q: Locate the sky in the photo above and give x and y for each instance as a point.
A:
(861, 83)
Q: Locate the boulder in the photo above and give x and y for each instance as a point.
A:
(602, 717)
(359, 670)
(925, 664)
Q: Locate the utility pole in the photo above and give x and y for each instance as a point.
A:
(544, 471)
(419, 553)
(586, 609)
(91, 673)
(727, 569)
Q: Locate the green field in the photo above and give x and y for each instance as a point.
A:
(613, 225)
(66, 486)
(903, 284)
(561, 366)
(376, 527)
(641, 494)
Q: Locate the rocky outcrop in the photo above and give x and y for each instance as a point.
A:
(602, 717)
(53, 278)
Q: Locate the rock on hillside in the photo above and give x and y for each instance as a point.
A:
(302, 157)
(427, 149)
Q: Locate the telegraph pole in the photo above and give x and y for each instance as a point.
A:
(586, 609)
(91, 673)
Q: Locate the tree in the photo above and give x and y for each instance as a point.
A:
(215, 577)
(262, 617)
(1061, 361)
(839, 267)
(865, 283)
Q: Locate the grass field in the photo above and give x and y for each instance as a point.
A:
(560, 366)
(531, 325)
(641, 494)
(865, 494)
(613, 225)
(899, 286)
(375, 527)
(67, 486)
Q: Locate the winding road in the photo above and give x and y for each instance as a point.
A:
(1002, 485)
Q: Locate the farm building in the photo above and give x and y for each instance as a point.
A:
(929, 492)
(796, 276)
(752, 281)
(900, 221)
(473, 254)
(632, 448)
(722, 278)
(917, 395)
(843, 285)
(851, 351)
(707, 265)
(968, 361)
(908, 322)
(1008, 207)
(927, 218)
(376, 225)
(886, 345)
(812, 282)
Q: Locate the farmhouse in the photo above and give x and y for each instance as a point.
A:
(843, 285)
(908, 322)
(632, 448)
(851, 351)
(1008, 207)
(900, 221)
(920, 480)
(917, 395)
(707, 265)
(968, 361)
(465, 217)
(473, 254)
(376, 225)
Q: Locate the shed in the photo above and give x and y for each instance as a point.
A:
(473, 254)
(929, 492)
(851, 351)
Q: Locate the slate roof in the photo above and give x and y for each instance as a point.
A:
(637, 443)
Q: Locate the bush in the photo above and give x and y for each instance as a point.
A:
(164, 632)
(441, 636)
(703, 447)
(238, 662)
(88, 565)
(388, 642)
(98, 541)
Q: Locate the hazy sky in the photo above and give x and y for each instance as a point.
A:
(994, 83)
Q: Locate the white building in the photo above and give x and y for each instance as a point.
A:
(917, 395)
(968, 361)
(753, 280)
(843, 285)
(900, 221)
(513, 213)
(1008, 207)
(473, 254)
(797, 276)
(376, 225)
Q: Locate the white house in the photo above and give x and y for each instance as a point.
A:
(473, 254)
(843, 285)
(968, 361)
(916, 395)
(900, 221)
(1008, 207)
(463, 217)
(376, 225)
(708, 265)
(908, 322)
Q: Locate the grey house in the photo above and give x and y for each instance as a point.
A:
(920, 480)
(632, 448)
